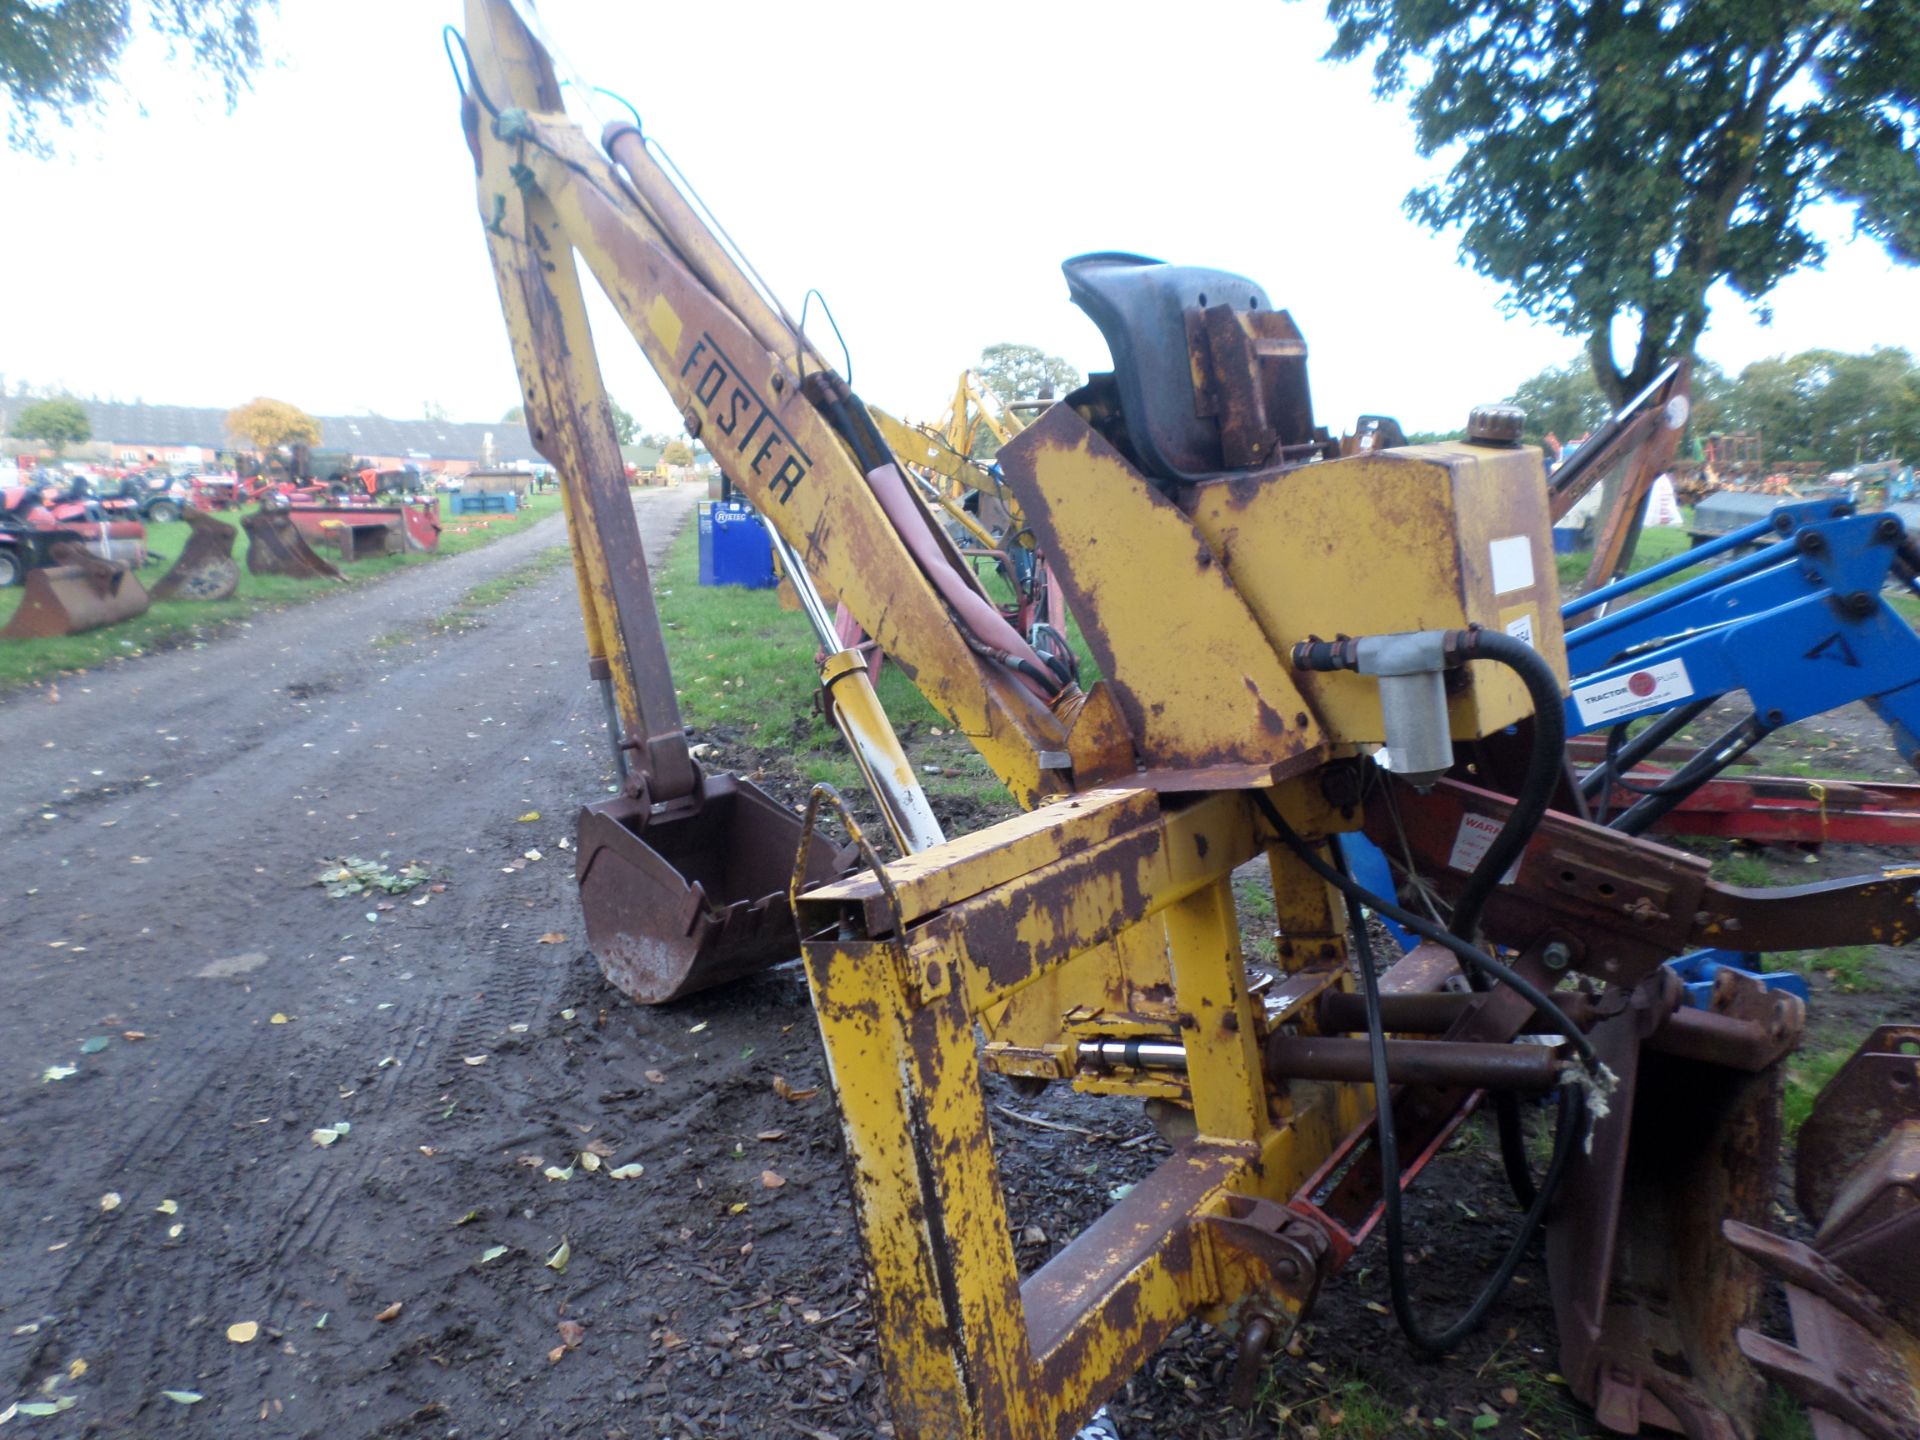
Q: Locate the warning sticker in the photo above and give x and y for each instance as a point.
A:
(1629, 694)
(1521, 627)
(1476, 836)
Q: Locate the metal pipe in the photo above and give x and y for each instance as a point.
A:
(1343, 1011)
(1414, 1062)
(1136, 1054)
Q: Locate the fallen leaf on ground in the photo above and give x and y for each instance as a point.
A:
(627, 1172)
(529, 817)
(656, 1077)
(696, 1029)
(554, 1172)
(58, 1072)
(601, 1148)
(572, 1332)
(47, 1407)
(558, 1260)
(392, 1312)
(184, 1397)
(492, 1253)
(589, 1161)
(553, 1355)
(174, 1232)
(532, 1162)
(244, 1332)
(94, 1044)
(468, 1218)
(168, 1207)
(737, 1208)
(76, 1369)
(476, 1060)
(110, 1200)
(277, 1018)
(552, 937)
(787, 1092)
(324, 1137)
(771, 1135)
(772, 1179)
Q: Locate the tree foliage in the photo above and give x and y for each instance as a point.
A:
(516, 416)
(1025, 372)
(1616, 160)
(1563, 401)
(58, 57)
(60, 422)
(624, 428)
(677, 452)
(268, 424)
(1831, 407)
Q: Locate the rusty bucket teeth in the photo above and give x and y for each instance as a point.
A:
(81, 592)
(275, 546)
(680, 904)
(206, 569)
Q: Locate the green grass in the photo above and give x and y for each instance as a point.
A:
(171, 622)
(1749, 872)
(743, 665)
(1845, 966)
(1808, 1071)
(1654, 546)
(1783, 1418)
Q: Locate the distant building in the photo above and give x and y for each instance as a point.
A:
(192, 435)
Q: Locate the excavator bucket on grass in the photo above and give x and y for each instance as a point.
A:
(206, 569)
(275, 546)
(81, 592)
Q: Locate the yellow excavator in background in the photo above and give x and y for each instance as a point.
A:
(1293, 644)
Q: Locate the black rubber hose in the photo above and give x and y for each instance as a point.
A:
(1546, 764)
(1566, 1135)
(1544, 767)
(1471, 958)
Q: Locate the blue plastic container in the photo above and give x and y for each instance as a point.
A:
(734, 547)
(1567, 538)
(504, 502)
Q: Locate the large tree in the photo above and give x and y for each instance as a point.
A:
(1025, 372)
(266, 424)
(60, 422)
(1615, 159)
(62, 56)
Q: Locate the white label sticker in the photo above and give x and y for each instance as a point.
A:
(1521, 628)
(1512, 563)
(1476, 837)
(1631, 693)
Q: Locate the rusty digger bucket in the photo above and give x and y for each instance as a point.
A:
(206, 569)
(79, 592)
(275, 546)
(684, 877)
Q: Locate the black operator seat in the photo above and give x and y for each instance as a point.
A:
(1141, 306)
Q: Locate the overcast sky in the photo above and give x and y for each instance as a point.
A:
(926, 167)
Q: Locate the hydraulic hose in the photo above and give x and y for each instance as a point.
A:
(1471, 957)
(1572, 1112)
(1546, 765)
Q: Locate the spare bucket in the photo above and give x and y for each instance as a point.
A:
(206, 568)
(275, 546)
(84, 592)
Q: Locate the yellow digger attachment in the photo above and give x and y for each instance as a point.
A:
(83, 592)
(275, 546)
(206, 569)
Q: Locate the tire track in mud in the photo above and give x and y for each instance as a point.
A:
(290, 747)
